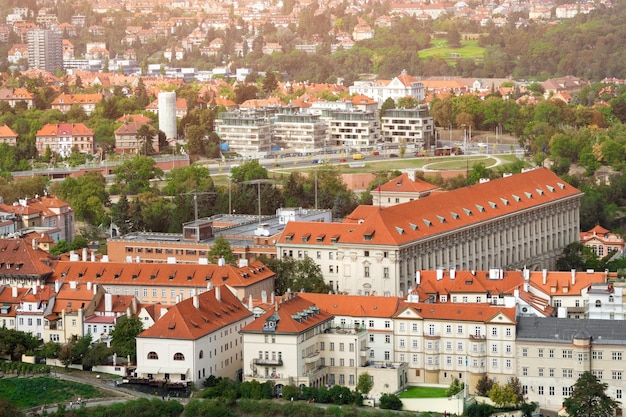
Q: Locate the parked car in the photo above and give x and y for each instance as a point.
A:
(419, 154)
(393, 155)
(343, 160)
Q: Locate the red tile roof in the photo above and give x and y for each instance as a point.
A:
(444, 212)
(18, 258)
(559, 283)
(285, 315)
(185, 321)
(404, 184)
(354, 305)
(469, 282)
(459, 312)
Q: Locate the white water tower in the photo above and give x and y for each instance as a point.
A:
(167, 114)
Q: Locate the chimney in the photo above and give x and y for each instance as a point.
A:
(418, 277)
(89, 285)
(526, 274)
(85, 254)
(439, 274)
(35, 243)
(264, 297)
(273, 297)
(525, 287)
(14, 292)
(452, 273)
(93, 257)
(73, 285)
(573, 277)
(250, 305)
(57, 286)
(34, 289)
(243, 262)
(134, 305)
(544, 273)
(95, 289)
(196, 302)
(221, 262)
(218, 295)
(108, 302)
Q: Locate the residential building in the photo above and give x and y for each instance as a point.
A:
(87, 102)
(106, 314)
(128, 141)
(247, 133)
(36, 303)
(23, 263)
(46, 214)
(520, 220)
(8, 136)
(553, 352)
(64, 138)
(402, 189)
(402, 86)
(18, 53)
(465, 341)
(196, 338)
(353, 129)
(297, 343)
(13, 96)
(10, 297)
(167, 283)
(413, 128)
(605, 302)
(602, 241)
(45, 50)
(299, 131)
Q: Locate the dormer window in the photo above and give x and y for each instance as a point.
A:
(368, 234)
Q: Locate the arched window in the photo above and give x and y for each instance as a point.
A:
(179, 356)
(201, 354)
(598, 303)
(153, 355)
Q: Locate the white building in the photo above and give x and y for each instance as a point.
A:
(401, 86)
(195, 339)
(247, 133)
(299, 131)
(353, 129)
(413, 128)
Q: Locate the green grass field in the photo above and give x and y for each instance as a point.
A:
(31, 392)
(423, 392)
(440, 49)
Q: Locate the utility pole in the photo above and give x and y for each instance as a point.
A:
(195, 200)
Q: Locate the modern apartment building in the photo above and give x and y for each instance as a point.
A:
(413, 128)
(353, 129)
(45, 49)
(299, 131)
(247, 133)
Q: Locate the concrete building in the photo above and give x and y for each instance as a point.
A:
(509, 223)
(167, 114)
(353, 129)
(248, 133)
(301, 132)
(45, 50)
(413, 128)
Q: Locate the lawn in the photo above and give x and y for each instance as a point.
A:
(31, 392)
(423, 392)
(440, 49)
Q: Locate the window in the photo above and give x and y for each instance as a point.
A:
(387, 355)
(524, 371)
(387, 324)
(414, 343)
(201, 354)
(508, 331)
(551, 372)
(508, 348)
(617, 375)
(540, 371)
(567, 373)
(448, 328)
(330, 256)
(387, 338)
(385, 272)
(366, 253)
(596, 354)
(494, 363)
(459, 329)
(402, 343)
(342, 379)
(414, 327)
(551, 391)
(494, 348)
(332, 361)
(551, 353)
(494, 331)
(322, 346)
(540, 390)
(342, 362)
(366, 271)
(616, 356)
(524, 352)
(540, 353)
(567, 391)
(618, 394)
(371, 338)
(153, 355)
(402, 327)
(508, 363)
(351, 379)
(431, 330)
(459, 346)
(567, 354)
(332, 346)
(597, 374)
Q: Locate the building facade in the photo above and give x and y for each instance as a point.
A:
(413, 128)
(64, 138)
(247, 133)
(353, 129)
(45, 50)
(299, 131)
(402, 86)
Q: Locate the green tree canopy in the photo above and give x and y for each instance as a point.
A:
(124, 334)
(221, 249)
(589, 398)
(133, 177)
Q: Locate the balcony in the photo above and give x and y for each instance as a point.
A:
(312, 358)
(432, 336)
(268, 362)
(478, 337)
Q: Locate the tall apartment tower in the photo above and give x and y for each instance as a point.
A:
(45, 49)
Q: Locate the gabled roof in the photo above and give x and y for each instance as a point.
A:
(562, 283)
(7, 132)
(445, 212)
(19, 258)
(215, 309)
(286, 315)
(73, 129)
(404, 184)
(72, 297)
(82, 99)
(494, 282)
(354, 305)
(119, 273)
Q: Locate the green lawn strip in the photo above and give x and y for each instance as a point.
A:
(423, 392)
(469, 49)
(31, 392)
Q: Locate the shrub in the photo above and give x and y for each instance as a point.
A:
(390, 402)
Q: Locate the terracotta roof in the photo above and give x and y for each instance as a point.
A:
(7, 299)
(119, 304)
(285, 315)
(354, 305)
(75, 129)
(72, 297)
(493, 282)
(459, 312)
(7, 132)
(444, 212)
(107, 273)
(404, 184)
(65, 99)
(137, 118)
(559, 283)
(185, 321)
(18, 258)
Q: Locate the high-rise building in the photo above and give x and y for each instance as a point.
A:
(45, 49)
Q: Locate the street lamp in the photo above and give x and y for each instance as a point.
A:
(258, 183)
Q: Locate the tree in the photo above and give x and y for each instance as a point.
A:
(483, 386)
(133, 177)
(390, 402)
(297, 275)
(589, 398)
(502, 395)
(145, 137)
(123, 336)
(455, 387)
(365, 383)
(221, 249)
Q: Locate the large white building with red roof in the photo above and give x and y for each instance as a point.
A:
(402, 189)
(523, 220)
(195, 339)
(602, 241)
(402, 86)
(43, 212)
